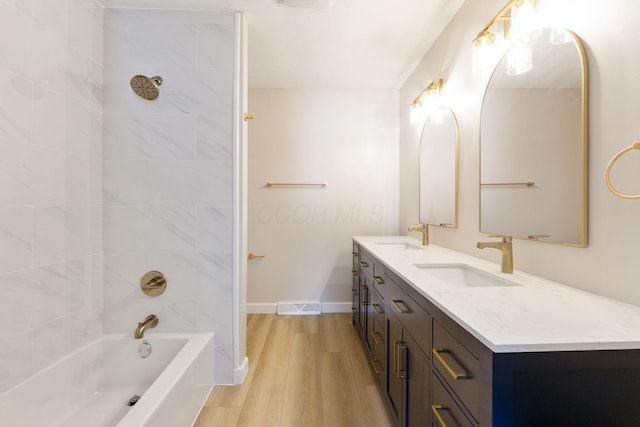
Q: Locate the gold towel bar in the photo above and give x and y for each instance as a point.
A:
(607, 174)
(296, 184)
(514, 184)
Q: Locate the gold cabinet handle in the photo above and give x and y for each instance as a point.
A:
(456, 375)
(354, 292)
(354, 253)
(364, 294)
(402, 374)
(377, 366)
(379, 280)
(396, 303)
(436, 411)
(248, 116)
(377, 308)
(253, 256)
(377, 338)
(363, 264)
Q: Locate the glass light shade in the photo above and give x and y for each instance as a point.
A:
(525, 20)
(417, 114)
(482, 53)
(519, 59)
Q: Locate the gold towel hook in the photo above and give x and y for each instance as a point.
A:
(607, 174)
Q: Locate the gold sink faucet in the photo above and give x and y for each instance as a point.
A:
(151, 321)
(505, 247)
(424, 229)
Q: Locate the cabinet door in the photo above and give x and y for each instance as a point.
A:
(417, 376)
(408, 384)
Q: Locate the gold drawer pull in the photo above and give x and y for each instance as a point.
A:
(452, 372)
(377, 338)
(363, 264)
(377, 366)
(354, 292)
(436, 408)
(396, 303)
(355, 273)
(354, 253)
(402, 374)
(377, 308)
(395, 354)
(378, 280)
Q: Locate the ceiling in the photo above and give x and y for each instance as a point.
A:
(355, 44)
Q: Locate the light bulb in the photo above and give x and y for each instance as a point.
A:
(482, 53)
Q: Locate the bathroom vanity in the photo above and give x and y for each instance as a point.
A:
(454, 342)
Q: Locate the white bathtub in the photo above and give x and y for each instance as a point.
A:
(92, 386)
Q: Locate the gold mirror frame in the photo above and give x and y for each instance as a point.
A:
(526, 181)
(454, 122)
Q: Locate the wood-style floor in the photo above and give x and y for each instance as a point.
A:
(304, 371)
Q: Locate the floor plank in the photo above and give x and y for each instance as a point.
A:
(302, 399)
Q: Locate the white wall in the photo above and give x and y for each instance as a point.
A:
(611, 38)
(50, 214)
(347, 139)
(168, 173)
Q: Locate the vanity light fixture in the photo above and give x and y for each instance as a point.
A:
(429, 97)
(521, 23)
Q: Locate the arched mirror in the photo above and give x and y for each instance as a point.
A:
(533, 144)
(439, 169)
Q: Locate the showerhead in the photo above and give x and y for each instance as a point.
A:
(146, 87)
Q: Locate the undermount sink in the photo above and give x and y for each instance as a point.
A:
(399, 244)
(463, 275)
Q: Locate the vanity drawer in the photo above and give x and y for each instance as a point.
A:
(415, 319)
(379, 353)
(445, 412)
(458, 366)
(378, 309)
(366, 264)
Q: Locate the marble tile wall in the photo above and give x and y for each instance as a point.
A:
(167, 172)
(50, 182)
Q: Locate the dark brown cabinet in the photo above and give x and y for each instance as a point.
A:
(434, 372)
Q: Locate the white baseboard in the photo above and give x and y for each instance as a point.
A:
(336, 307)
(262, 308)
(240, 373)
(272, 308)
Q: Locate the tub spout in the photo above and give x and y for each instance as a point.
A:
(151, 321)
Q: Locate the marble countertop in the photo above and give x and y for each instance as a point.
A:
(535, 315)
